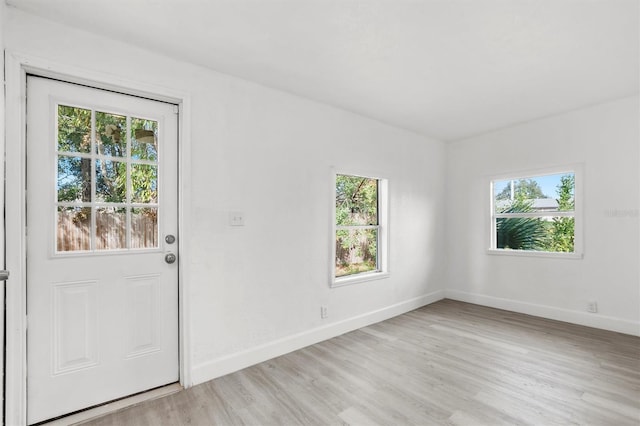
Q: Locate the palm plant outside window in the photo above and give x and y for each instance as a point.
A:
(536, 213)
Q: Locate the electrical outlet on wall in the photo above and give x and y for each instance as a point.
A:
(592, 306)
(236, 219)
(324, 312)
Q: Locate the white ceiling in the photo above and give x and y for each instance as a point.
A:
(448, 69)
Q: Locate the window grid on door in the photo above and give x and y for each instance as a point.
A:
(106, 181)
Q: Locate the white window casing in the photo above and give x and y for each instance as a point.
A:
(382, 269)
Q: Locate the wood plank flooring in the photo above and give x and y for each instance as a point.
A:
(449, 363)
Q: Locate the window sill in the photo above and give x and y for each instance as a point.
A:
(359, 278)
(532, 253)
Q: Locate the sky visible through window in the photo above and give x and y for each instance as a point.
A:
(548, 184)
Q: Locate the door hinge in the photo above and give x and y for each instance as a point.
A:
(176, 109)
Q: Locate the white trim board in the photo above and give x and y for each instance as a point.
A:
(243, 359)
(17, 66)
(549, 312)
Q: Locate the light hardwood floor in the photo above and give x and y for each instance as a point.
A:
(446, 363)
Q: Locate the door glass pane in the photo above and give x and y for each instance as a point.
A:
(111, 228)
(74, 129)
(74, 229)
(111, 134)
(111, 181)
(144, 228)
(144, 139)
(74, 179)
(121, 170)
(144, 182)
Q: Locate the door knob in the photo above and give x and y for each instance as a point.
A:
(4, 275)
(170, 258)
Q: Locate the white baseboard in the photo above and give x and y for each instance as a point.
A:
(237, 361)
(575, 317)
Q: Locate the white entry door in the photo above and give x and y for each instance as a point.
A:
(102, 218)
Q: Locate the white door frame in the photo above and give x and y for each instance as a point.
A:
(17, 66)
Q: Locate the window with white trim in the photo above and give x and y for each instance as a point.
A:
(535, 214)
(360, 229)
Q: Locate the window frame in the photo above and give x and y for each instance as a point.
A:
(382, 260)
(577, 214)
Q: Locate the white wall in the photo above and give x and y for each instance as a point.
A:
(256, 291)
(605, 139)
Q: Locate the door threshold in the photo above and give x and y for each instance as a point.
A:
(113, 406)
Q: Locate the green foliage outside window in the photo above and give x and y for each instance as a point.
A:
(107, 161)
(74, 172)
(520, 233)
(563, 230)
(524, 189)
(357, 209)
(544, 233)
